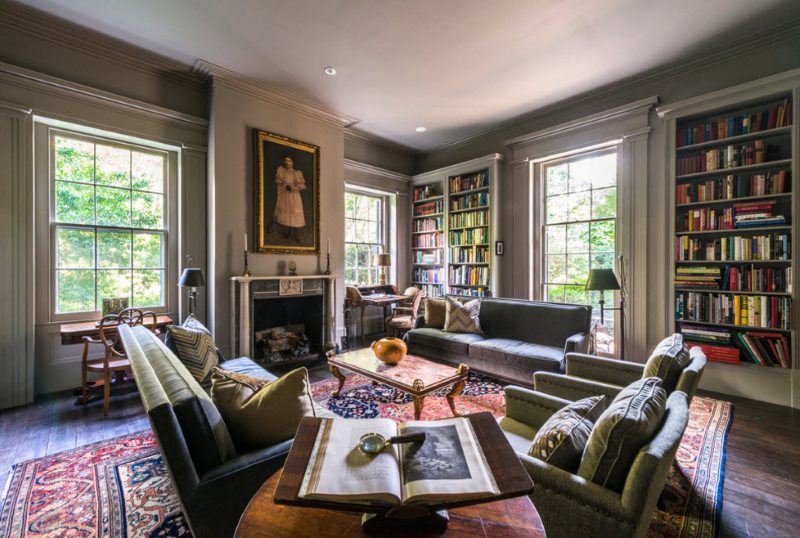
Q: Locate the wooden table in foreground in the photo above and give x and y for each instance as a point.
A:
(413, 375)
(72, 333)
(512, 515)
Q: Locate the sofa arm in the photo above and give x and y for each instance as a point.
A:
(572, 388)
(530, 407)
(419, 322)
(610, 371)
(577, 343)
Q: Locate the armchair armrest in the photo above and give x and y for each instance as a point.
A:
(577, 343)
(530, 407)
(572, 388)
(610, 371)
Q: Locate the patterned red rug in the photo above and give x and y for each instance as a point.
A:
(120, 488)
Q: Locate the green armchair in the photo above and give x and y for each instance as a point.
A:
(571, 506)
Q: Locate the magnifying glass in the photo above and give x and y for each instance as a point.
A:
(375, 443)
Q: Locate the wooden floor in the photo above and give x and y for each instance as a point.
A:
(761, 495)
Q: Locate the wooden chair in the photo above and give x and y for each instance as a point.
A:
(114, 359)
(406, 304)
(403, 319)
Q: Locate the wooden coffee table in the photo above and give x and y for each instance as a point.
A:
(413, 375)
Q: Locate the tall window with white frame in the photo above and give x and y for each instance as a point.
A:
(108, 223)
(365, 236)
(580, 227)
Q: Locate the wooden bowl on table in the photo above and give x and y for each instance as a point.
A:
(389, 350)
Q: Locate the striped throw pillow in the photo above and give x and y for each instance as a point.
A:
(196, 350)
(462, 318)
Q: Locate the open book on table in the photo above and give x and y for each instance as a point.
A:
(448, 466)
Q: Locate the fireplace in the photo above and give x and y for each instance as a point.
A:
(280, 324)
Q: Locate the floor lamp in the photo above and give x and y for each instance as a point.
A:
(192, 278)
(602, 280)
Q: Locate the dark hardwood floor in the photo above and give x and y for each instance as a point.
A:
(761, 493)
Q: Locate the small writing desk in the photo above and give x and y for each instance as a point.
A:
(383, 300)
(73, 333)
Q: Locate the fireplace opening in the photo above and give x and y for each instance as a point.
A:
(288, 328)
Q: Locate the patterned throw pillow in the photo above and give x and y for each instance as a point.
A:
(462, 318)
(196, 350)
(562, 438)
(435, 313)
(667, 361)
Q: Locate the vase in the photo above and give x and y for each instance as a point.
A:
(389, 350)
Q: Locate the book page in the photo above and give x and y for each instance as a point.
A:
(448, 466)
(339, 471)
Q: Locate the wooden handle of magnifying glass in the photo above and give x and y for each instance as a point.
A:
(408, 438)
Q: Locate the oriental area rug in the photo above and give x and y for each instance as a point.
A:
(120, 488)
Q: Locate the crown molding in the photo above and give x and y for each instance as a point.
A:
(458, 167)
(22, 110)
(358, 166)
(85, 40)
(26, 78)
(360, 136)
(746, 44)
(230, 79)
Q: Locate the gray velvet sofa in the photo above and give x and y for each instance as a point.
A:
(520, 338)
(213, 480)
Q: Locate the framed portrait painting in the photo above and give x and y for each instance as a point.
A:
(286, 194)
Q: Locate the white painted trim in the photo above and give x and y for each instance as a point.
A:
(357, 166)
(361, 136)
(455, 168)
(235, 81)
(14, 107)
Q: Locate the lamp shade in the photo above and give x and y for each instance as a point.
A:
(602, 279)
(382, 260)
(192, 277)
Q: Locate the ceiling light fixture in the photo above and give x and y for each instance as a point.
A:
(421, 129)
(330, 71)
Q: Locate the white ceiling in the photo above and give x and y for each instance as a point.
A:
(454, 66)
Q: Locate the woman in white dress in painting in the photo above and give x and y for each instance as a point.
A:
(289, 204)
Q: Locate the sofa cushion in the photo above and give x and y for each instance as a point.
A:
(196, 350)
(462, 317)
(562, 438)
(435, 313)
(667, 361)
(517, 354)
(629, 422)
(247, 366)
(451, 342)
(193, 323)
(549, 324)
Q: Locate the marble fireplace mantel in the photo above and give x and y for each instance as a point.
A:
(245, 290)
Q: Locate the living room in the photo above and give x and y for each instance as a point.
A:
(335, 173)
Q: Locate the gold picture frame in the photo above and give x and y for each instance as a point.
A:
(286, 194)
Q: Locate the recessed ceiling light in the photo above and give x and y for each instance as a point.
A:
(330, 71)
(421, 129)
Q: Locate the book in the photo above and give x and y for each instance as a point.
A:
(448, 466)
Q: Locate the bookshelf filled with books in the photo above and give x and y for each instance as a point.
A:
(462, 261)
(734, 215)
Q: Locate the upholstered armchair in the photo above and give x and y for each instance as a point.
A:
(588, 375)
(404, 318)
(572, 506)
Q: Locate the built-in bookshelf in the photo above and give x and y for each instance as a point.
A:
(454, 227)
(735, 207)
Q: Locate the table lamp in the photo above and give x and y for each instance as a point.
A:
(192, 278)
(383, 261)
(602, 280)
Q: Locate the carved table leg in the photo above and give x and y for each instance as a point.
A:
(338, 375)
(457, 389)
(419, 402)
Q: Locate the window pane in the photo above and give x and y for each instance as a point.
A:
(578, 237)
(363, 277)
(349, 204)
(74, 160)
(349, 255)
(74, 203)
(114, 250)
(350, 276)
(579, 206)
(577, 268)
(113, 166)
(349, 230)
(581, 173)
(147, 171)
(555, 294)
(363, 256)
(148, 210)
(604, 203)
(604, 170)
(557, 239)
(147, 251)
(147, 288)
(602, 260)
(575, 294)
(556, 269)
(557, 179)
(113, 207)
(75, 291)
(113, 283)
(604, 236)
(557, 208)
(75, 249)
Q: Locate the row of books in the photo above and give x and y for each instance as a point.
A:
(466, 275)
(469, 292)
(726, 354)
(424, 192)
(751, 310)
(472, 218)
(428, 225)
(731, 156)
(432, 290)
(733, 278)
(772, 247)
(428, 257)
(470, 236)
(469, 182)
(762, 349)
(468, 255)
(428, 276)
(428, 240)
(741, 215)
(731, 187)
(470, 201)
(429, 208)
(735, 125)
(702, 333)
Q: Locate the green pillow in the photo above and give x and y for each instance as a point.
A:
(562, 438)
(621, 431)
(667, 361)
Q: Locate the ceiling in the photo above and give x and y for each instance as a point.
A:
(456, 67)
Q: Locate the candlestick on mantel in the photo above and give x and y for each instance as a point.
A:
(245, 242)
(328, 264)
(246, 273)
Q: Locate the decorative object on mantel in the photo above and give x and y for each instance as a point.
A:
(286, 194)
(327, 270)
(389, 350)
(192, 278)
(290, 286)
(292, 266)
(383, 261)
(246, 273)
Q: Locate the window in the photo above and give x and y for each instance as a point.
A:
(580, 228)
(108, 222)
(364, 225)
